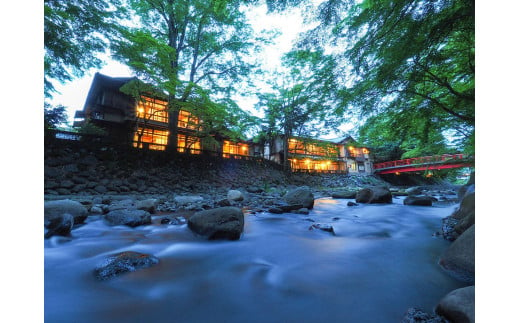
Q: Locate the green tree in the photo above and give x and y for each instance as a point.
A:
(299, 103)
(405, 57)
(195, 52)
(74, 32)
(53, 116)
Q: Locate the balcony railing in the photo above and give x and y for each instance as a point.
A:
(420, 161)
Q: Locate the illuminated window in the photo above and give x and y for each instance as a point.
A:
(153, 138)
(296, 146)
(316, 165)
(232, 148)
(188, 144)
(152, 109)
(187, 120)
(356, 152)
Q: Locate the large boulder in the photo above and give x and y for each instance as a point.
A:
(466, 208)
(468, 187)
(459, 258)
(461, 219)
(458, 305)
(131, 218)
(60, 226)
(301, 195)
(376, 194)
(418, 200)
(220, 223)
(123, 262)
(56, 209)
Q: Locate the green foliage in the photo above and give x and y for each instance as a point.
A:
(194, 52)
(409, 64)
(74, 32)
(54, 116)
(89, 128)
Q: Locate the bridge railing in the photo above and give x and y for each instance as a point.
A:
(419, 161)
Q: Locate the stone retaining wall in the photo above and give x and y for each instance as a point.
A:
(77, 168)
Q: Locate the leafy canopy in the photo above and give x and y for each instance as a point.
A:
(74, 32)
(405, 59)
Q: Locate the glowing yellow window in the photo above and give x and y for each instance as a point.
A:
(188, 144)
(152, 109)
(153, 138)
(187, 120)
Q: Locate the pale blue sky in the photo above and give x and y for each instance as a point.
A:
(73, 94)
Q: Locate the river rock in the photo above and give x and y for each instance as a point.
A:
(303, 210)
(60, 225)
(459, 258)
(275, 210)
(414, 315)
(323, 227)
(124, 262)
(448, 228)
(131, 218)
(124, 204)
(235, 195)
(469, 186)
(187, 199)
(418, 200)
(148, 205)
(413, 190)
(224, 202)
(375, 194)
(344, 195)
(220, 223)
(289, 207)
(54, 209)
(301, 195)
(458, 305)
(466, 208)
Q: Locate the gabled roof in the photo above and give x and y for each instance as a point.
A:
(102, 81)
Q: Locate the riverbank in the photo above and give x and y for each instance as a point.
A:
(155, 198)
(95, 174)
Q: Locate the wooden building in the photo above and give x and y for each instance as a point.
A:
(343, 155)
(143, 123)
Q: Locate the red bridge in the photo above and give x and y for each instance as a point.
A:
(424, 163)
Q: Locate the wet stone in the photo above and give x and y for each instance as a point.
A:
(323, 227)
(414, 315)
(124, 262)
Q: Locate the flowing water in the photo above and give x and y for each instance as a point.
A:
(381, 261)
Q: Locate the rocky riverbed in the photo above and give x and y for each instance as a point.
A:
(84, 185)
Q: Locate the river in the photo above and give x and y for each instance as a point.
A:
(381, 261)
